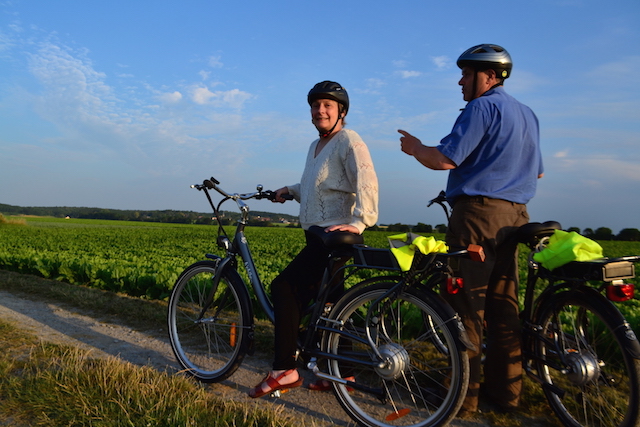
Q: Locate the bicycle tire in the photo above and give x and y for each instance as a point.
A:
(211, 344)
(590, 377)
(420, 385)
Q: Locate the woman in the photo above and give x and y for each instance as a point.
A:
(338, 192)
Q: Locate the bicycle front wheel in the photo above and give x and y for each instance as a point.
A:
(423, 376)
(209, 327)
(590, 377)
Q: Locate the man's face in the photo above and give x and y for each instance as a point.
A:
(324, 114)
(482, 80)
(467, 83)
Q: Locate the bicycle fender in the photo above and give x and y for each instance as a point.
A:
(222, 264)
(452, 316)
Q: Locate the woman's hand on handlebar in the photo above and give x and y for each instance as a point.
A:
(342, 227)
(280, 192)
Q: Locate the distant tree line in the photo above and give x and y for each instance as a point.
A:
(257, 219)
(604, 233)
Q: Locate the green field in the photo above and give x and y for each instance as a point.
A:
(144, 259)
(136, 258)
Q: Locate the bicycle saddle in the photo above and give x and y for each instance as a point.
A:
(335, 239)
(530, 233)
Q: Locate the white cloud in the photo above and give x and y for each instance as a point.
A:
(441, 62)
(170, 97)
(202, 95)
(406, 74)
(214, 62)
(73, 90)
(234, 98)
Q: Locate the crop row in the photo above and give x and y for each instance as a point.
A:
(145, 259)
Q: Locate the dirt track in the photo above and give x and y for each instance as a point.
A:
(103, 337)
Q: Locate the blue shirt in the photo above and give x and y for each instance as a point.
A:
(495, 144)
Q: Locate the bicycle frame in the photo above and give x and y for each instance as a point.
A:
(239, 245)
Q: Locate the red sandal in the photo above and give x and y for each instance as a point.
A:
(274, 384)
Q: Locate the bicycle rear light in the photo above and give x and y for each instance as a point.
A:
(454, 284)
(619, 291)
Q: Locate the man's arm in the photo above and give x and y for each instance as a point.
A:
(430, 157)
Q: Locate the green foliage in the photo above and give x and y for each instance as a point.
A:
(136, 258)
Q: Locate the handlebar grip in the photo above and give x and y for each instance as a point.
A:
(271, 195)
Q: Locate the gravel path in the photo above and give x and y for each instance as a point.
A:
(103, 337)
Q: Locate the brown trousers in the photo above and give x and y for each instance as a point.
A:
(488, 301)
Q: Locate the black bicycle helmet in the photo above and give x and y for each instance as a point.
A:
(329, 90)
(487, 56)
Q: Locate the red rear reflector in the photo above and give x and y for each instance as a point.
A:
(454, 284)
(620, 293)
(233, 335)
(398, 414)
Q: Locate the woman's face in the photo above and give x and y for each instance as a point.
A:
(324, 114)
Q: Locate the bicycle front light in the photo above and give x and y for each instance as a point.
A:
(224, 243)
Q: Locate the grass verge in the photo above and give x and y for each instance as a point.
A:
(51, 385)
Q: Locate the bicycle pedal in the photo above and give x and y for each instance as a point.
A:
(278, 393)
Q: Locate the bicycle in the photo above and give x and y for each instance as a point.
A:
(577, 345)
(403, 344)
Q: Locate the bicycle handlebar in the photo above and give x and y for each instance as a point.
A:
(212, 184)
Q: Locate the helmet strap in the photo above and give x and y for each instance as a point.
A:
(475, 85)
(330, 131)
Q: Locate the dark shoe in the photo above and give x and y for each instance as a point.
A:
(465, 414)
(491, 404)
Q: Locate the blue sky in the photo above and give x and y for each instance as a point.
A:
(124, 104)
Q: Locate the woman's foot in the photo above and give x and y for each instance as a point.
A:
(276, 380)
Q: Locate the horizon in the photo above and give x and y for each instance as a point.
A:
(378, 224)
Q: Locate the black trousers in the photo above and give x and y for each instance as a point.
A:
(292, 291)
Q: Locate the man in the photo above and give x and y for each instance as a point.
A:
(494, 161)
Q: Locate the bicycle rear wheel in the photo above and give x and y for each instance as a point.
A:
(591, 378)
(423, 378)
(209, 339)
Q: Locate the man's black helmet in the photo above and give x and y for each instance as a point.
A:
(485, 57)
(329, 90)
